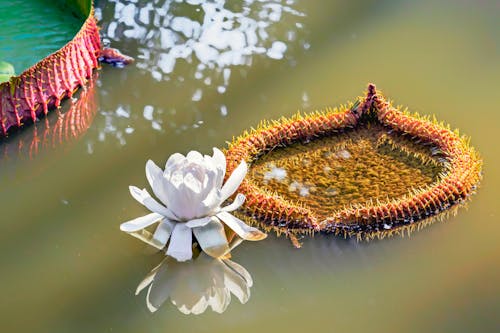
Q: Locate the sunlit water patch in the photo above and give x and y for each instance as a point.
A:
(210, 37)
(194, 50)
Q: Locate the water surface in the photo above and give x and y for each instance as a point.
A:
(205, 72)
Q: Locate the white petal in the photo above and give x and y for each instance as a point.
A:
(162, 233)
(140, 222)
(186, 204)
(212, 238)
(219, 158)
(239, 227)
(156, 207)
(209, 185)
(238, 201)
(136, 193)
(182, 201)
(212, 201)
(209, 163)
(234, 181)
(192, 183)
(203, 209)
(176, 177)
(180, 246)
(220, 162)
(173, 161)
(194, 156)
(198, 222)
(156, 180)
(147, 200)
(176, 200)
(152, 170)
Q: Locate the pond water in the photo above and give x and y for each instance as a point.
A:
(205, 72)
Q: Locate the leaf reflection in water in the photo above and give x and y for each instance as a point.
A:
(195, 285)
(56, 130)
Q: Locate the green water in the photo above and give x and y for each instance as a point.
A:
(65, 265)
(37, 27)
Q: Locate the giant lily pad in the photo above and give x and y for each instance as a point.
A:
(367, 169)
(59, 71)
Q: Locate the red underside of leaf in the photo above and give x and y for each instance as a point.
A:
(43, 86)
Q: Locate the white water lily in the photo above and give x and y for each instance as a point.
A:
(191, 193)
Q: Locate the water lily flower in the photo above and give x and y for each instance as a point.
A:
(191, 192)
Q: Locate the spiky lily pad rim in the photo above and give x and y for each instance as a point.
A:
(65, 125)
(39, 88)
(460, 178)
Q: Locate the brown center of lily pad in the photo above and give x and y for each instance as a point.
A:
(366, 164)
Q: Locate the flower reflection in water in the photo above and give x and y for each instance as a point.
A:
(195, 285)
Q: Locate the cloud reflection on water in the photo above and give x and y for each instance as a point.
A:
(189, 50)
(210, 36)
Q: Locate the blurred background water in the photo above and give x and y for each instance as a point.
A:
(206, 71)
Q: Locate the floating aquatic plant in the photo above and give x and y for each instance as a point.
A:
(191, 193)
(39, 88)
(366, 169)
